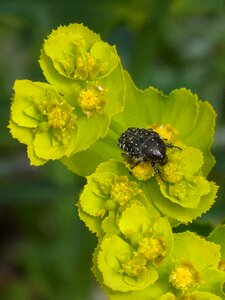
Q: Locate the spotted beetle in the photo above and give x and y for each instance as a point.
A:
(141, 144)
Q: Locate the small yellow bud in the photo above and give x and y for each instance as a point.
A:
(173, 172)
(166, 132)
(152, 249)
(92, 100)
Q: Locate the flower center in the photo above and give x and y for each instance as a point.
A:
(151, 248)
(119, 190)
(92, 99)
(183, 277)
(134, 267)
(143, 171)
(122, 192)
(173, 172)
(166, 132)
(58, 116)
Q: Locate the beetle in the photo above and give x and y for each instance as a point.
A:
(140, 144)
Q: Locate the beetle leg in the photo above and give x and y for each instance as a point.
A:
(126, 156)
(157, 171)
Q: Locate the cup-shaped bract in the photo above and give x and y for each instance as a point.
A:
(42, 119)
(185, 125)
(192, 266)
(88, 72)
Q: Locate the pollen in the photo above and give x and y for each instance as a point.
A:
(123, 191)
(143, 171)
(183, 277)
(166, 132)
(57, 118)
(173, 172)
(92, 100)
(58, 115)
(152, 249)
(135, 266)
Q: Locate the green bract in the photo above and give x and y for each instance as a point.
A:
(108, 192)
(189, 272)
(192, 266)
(186, 193)
(129, 204)
(42, 119)
(68, 115)
(182, 199)
(75, 52)
(180, 116)
(191, 296)
(151, 236)
(122, 268)
(88, 72)
(181, 119)
(134, 240)
(217, 236)
(128, 263)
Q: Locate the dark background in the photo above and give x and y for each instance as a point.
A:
(45, 250)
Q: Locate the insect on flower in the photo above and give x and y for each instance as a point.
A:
(141, 144)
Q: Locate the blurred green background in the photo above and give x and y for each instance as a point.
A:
(45, 250)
